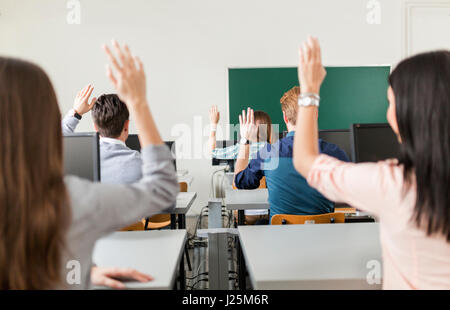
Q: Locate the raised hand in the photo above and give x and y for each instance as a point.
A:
(214, 115)
(129, 77)
(81, 103)
(110, 277)
(311, 72)
(248, 128)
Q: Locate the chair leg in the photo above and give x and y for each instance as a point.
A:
(188, 259)
(146, 223)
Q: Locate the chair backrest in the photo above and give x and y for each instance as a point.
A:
(327, 218)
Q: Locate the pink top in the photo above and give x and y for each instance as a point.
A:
(411, 259)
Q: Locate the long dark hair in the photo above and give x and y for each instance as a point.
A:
(34, 214)
(421, 86)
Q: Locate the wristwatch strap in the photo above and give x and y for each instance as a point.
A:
(244, 141)
(76, 115)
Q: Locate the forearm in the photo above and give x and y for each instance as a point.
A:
(306, 148)
(69, 123)
(242, 159)
(148, 132)
(212, 141)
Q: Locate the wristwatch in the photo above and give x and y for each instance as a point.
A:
(76, 115)
(243, 141)
(308, 99)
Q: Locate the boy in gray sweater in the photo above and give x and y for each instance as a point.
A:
(118, 163)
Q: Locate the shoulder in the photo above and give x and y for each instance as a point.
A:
(110, 150)
(332, 149)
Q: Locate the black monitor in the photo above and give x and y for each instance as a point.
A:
(223, 162)
(133, 143)
(82, 155)
(373, 142)
(340, 137)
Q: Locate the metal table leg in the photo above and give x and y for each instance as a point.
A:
(241, 266)
(173, 221)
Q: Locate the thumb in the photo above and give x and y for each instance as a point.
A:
(92, 102)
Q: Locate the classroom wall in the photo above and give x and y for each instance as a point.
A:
(187, 46)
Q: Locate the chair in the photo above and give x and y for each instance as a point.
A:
(327, 218)
(159, 221)
(135, 226)
(345, 210)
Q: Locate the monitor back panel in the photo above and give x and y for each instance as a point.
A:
(373, 142)
(133, 143)
(340, 137)
(82, 156)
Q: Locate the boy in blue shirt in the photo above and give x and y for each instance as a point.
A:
(289, 193)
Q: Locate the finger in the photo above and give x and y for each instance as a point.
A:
(307, 52)
(240, 119)
(301, 56)
(136, 275)
(89, 92)
(248, 115)
(113, 283)
(252, 116)
(128, 54)
(140, 64)
(243, 117)
(84, 90)
(120, 54)
(111, 58)
(312, 46)
(93, 101)
(110, 75)
(318, 50)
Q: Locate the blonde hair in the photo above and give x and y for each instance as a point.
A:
(289, 104)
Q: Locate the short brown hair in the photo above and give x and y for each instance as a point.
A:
(110, 114)
(289, 104)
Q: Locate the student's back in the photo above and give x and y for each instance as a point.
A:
(118, 163)
(289, 193)
(409, 195)
(49, 222)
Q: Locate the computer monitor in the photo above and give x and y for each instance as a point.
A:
(223, 162)
(82, 155)
(133, 143)
(373, 142)
(340, 137)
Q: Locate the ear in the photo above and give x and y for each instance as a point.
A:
(126, 125)
(285, 118)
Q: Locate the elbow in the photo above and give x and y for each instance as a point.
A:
(167, 191)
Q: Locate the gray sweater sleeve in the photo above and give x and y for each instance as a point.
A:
(104, 208)
(69, 123)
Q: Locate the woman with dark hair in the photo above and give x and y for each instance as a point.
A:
(49, 223)
(411, 195)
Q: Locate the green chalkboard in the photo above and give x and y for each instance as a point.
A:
(348, 94)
